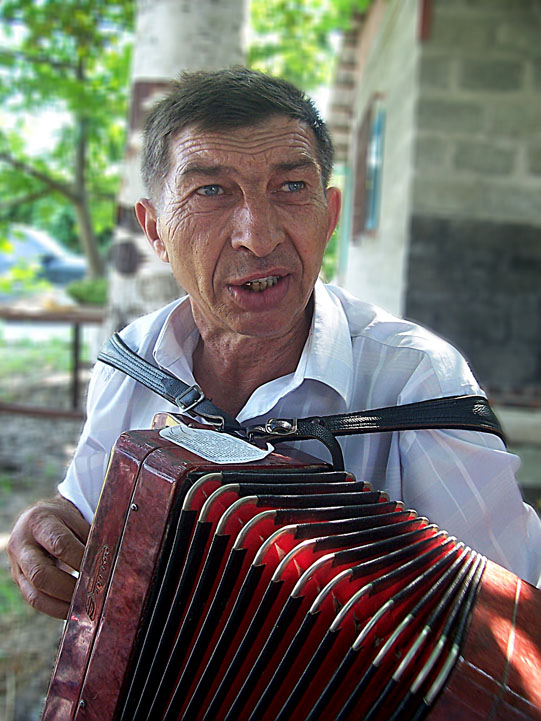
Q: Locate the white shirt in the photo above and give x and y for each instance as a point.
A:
(356, 357)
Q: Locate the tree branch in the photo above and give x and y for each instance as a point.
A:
(28, 169)
(29, 198)
(100, 195)
(38, 59)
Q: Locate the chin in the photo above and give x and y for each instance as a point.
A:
(272, 329)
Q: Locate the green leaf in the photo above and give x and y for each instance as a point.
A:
(71, 57)
(292, 38)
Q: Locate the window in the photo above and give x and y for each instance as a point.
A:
(368, 169)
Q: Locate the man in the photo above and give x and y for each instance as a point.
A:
(237, 167)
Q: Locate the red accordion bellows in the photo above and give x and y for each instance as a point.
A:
(284, 590)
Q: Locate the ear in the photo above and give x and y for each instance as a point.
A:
(148, 220)
(334, 203)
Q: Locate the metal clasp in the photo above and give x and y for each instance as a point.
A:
(281, 426)
(272, 427)
(196, 389)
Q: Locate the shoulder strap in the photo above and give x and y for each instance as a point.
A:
(468, 412)
(190, 399)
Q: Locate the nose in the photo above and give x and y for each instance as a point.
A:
(256, 227)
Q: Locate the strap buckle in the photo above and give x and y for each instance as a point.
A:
(215, 420)
(274, 427)
(281, 426)
(186, 407)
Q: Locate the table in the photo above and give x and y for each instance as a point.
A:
(76, 317)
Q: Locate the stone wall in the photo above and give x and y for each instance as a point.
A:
(474, 267)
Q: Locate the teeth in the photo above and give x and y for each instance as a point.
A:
(262, 284)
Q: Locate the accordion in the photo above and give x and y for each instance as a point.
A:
(283, 589)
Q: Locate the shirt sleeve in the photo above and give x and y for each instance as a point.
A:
(108, 413)
(465, 481)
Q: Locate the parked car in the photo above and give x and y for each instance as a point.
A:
(30, 247)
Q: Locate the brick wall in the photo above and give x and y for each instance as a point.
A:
(477, 284)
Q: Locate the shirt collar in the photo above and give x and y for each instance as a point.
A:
(327, 356)
(177, 340)
(328, 351)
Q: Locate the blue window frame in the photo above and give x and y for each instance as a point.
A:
(368, 169)
(374, 167)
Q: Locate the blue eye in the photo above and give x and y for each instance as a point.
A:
(293, 186)
(210, 190)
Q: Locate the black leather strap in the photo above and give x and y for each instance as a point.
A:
(190, 399)
(468, 412)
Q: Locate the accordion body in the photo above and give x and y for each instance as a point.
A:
(282, 590)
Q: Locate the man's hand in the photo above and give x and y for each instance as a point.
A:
(47, 535)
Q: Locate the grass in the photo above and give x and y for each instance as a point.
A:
(6, 484)
(18, 356)
(25, 362)
(11, 601)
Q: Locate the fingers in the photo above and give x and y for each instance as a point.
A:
(41, 601)
(71, 516)
(46, 534)
(60, 536)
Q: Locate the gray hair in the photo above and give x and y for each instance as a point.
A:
(222, 100)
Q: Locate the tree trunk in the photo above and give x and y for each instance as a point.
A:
(170, 36)
(87, 236)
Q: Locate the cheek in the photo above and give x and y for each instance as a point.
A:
(308, 229)
(172, 222)
(189, 227)
(192, 254)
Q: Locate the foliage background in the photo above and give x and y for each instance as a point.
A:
(67, 62)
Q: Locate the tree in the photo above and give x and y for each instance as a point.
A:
(293, 38)
(170, 37)
(71, 56)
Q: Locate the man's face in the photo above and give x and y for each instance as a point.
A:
(243, 220)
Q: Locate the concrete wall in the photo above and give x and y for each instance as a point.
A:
(388, 60)
(477, 283)
(478, 146)
(474, 271)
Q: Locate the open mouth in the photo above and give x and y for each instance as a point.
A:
(261, 284)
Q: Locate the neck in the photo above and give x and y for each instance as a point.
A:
(229, 368)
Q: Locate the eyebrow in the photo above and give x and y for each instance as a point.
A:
(297, 165)
(214, 170)
(206, 170)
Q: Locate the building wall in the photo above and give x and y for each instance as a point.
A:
(478, 147)
(387, 64)
(474, 268)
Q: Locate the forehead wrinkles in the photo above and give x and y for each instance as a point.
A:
(253, 142)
